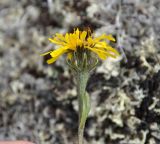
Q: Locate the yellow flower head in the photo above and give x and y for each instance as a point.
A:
(81, 42)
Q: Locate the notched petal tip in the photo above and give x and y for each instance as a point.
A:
(77, 29)
(46, 53)
(51, 40)
(110, 37)
(51, 60)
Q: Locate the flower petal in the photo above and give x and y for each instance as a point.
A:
(102, 54)
(110, 37)
(46, 53)
(83, 35)
(104, 36)
(67, 37)
(52, 60)
(57, 41)
(60, 37)
(77, 32)
(59, 51)
(103, 45)
(56, 54)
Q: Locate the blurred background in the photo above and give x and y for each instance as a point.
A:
(38, 102)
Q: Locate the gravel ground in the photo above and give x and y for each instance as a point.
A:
(38, 102)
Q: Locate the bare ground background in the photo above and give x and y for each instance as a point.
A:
(38, 102)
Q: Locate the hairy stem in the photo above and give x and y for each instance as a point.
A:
(83, 101)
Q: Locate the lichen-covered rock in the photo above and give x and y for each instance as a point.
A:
(39, 102)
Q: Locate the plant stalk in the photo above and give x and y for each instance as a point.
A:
(83, 101)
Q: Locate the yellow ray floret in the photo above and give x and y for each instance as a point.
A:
(70, 42)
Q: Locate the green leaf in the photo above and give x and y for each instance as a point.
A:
(85, 108)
